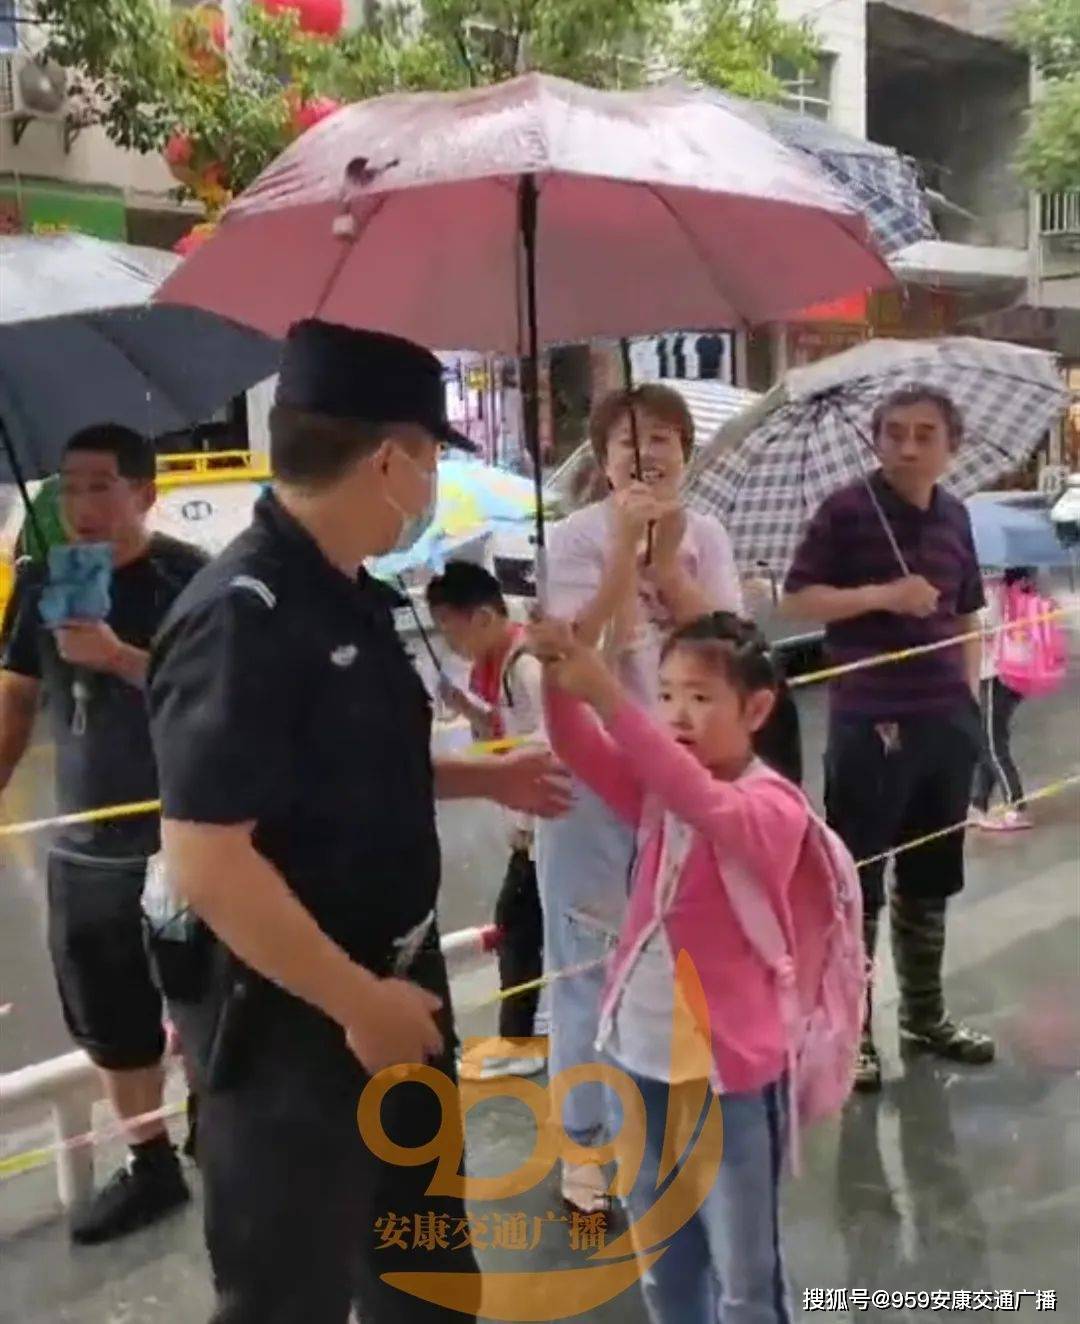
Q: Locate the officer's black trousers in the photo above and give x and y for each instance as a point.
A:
(301, 1218)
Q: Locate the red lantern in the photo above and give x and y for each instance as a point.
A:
(215, 28)
(323, 18)
(179, 150)
(309, 113)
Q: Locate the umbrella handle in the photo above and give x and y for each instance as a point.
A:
(882, 517)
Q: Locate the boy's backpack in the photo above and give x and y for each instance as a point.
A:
(1030, 655)
(820, 973)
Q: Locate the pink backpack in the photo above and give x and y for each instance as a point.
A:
(820, 973)
(1030, 656)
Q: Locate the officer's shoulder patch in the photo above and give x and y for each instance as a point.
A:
(249, 584)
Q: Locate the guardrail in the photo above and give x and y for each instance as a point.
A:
(68, 1086)
(188, 468)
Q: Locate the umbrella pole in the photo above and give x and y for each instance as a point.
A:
(882, 517)
(635, 440)
(529, 372)
(24, 491)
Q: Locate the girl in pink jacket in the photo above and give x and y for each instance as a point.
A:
(690, 784)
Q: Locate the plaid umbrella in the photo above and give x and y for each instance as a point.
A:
(877, 180)
(769, 469)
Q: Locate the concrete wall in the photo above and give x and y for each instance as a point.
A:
(92, 160)
(984, 18)
(841, 29)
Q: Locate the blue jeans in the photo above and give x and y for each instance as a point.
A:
(583, 864)
(726, 1263)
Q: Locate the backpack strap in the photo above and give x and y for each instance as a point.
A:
(508, 666)
(761, 927)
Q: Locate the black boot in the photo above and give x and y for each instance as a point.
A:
(150, 1186)
(868, 1064)
(918, 937)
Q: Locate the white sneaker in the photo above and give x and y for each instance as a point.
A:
(492, 1064)
(498, 1068)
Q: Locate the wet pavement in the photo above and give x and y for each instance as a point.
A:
(951, 1181)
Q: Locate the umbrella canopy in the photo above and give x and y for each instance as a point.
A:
(1015, 533)
(474, 500)
(429, 215)
(770, 468)
(877, 181)
(81, 344)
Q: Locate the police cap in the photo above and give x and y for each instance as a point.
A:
(364, 375)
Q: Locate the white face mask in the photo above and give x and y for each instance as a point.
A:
(413, 525)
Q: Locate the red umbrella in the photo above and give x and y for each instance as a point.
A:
(528, 213)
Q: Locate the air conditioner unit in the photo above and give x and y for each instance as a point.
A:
(30, 90)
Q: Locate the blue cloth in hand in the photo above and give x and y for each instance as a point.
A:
(80, 576)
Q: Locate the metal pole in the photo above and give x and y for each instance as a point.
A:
(635, 440)
(529, 372)
(24, 491)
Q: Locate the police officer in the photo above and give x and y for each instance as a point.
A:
(293, 741)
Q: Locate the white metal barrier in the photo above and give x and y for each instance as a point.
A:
(68, 1086)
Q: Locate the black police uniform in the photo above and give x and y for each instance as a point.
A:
(281, 695)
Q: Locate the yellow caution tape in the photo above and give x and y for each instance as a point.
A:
(903, 654)
(503, 746)
(1043, 793)
(16, 1164)
(84, 816)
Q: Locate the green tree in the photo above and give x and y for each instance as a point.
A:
(1049, 158)
(737, 44)
(159, 81)
(603, 43)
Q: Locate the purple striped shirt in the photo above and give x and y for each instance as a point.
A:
(845, 546)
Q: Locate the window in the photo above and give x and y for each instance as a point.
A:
(808, 91)
(9, 26)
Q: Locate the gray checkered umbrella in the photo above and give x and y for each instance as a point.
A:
(877, 180)
(771, 467)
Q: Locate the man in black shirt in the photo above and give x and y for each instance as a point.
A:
(91, 674)
(293, 742)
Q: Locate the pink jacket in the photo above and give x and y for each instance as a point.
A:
(761, 819)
